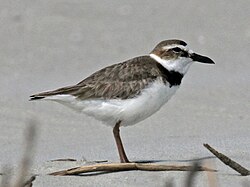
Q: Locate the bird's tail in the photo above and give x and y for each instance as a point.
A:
(34, 97)
(61, 91)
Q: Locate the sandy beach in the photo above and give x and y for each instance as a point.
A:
(50, 44)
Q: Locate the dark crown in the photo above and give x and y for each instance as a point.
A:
(169, 42)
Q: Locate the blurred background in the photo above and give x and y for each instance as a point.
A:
(48, 44)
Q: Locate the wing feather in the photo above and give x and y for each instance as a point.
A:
(123, 80)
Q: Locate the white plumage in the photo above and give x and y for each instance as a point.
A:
(163, 70)
(129, 111)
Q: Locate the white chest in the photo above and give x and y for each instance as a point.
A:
(129, 111)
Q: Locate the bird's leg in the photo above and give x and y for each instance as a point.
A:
(121, 151)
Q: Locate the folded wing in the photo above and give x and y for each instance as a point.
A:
(119, 81)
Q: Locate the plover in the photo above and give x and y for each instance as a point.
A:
(126, 93)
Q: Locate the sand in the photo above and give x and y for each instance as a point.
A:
(49, 44)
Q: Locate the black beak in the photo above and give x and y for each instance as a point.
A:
(202, 59)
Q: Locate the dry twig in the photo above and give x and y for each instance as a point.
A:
(28, 183)
(21, 180)
(191, 175)
(112, 167)
(64, 160)
(74, 160)
(226, 160)
(211, 176)
(28, 154)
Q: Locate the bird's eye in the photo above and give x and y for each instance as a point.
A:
(176, 49)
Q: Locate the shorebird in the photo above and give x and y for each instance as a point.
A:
(126, 93)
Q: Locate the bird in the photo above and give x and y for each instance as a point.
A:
(128, 92)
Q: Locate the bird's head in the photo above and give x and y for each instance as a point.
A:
(175, 55)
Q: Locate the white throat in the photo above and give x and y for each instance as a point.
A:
(180, 65)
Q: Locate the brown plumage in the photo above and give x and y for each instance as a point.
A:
(115, 95)
(118, 81)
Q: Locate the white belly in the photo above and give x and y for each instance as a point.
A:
(129, 111)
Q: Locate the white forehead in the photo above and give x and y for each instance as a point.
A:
(186, 48)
